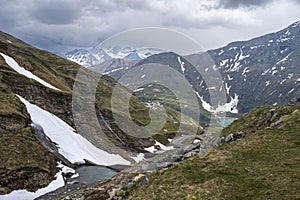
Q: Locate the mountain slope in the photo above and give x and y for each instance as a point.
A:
(264, 165)
(24, 162)
(61, 74)
(264, 70)
(28, 159)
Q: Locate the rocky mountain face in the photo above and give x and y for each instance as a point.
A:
(263, 70)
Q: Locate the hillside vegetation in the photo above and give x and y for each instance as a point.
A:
(263, 165)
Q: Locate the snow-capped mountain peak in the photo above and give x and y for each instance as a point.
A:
(98, 55)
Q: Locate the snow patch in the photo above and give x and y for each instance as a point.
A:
(281, 82)
(114, 70)
(265, 72)
(227, 88)
(215, 68)
(181, 64)
(246, 70)
(71, 145)
(229, 78)
(236, 67)
(26, 195)
(283, 60)
(291, 91)
(287, 32)
(242, 57)
(228, 107)
(274, 72)
(221, 52)
(223, 62)
(140, 89)
(139, 157)
(152, 149)
(296, 24)
(290, 75)
(13, 64)
(232, 48)
(196, 141)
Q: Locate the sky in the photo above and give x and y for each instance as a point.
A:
(63, 25)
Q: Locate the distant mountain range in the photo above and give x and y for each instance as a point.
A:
(99, 54)
(263, 70)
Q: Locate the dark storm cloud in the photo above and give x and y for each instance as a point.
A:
(55, 11)
(59, 24)
(233, 4)
(11, 14)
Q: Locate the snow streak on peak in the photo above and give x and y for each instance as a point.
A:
(181, 64)
(296, 24)
(98, 55)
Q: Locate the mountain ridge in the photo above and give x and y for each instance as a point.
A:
(262, 70)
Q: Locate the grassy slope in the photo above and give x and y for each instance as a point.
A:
(264, 165)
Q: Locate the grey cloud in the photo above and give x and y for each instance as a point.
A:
(55, 11)
(234, 4)
(101, 7)
(58, 24)
(11, 14)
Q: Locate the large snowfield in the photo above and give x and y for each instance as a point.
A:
(71, 145)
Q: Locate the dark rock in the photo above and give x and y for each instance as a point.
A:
(229, 138)
(272, 111)
(276, 123)
(222, 139)
(217, 142)
(188, 155)
(162, 165)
